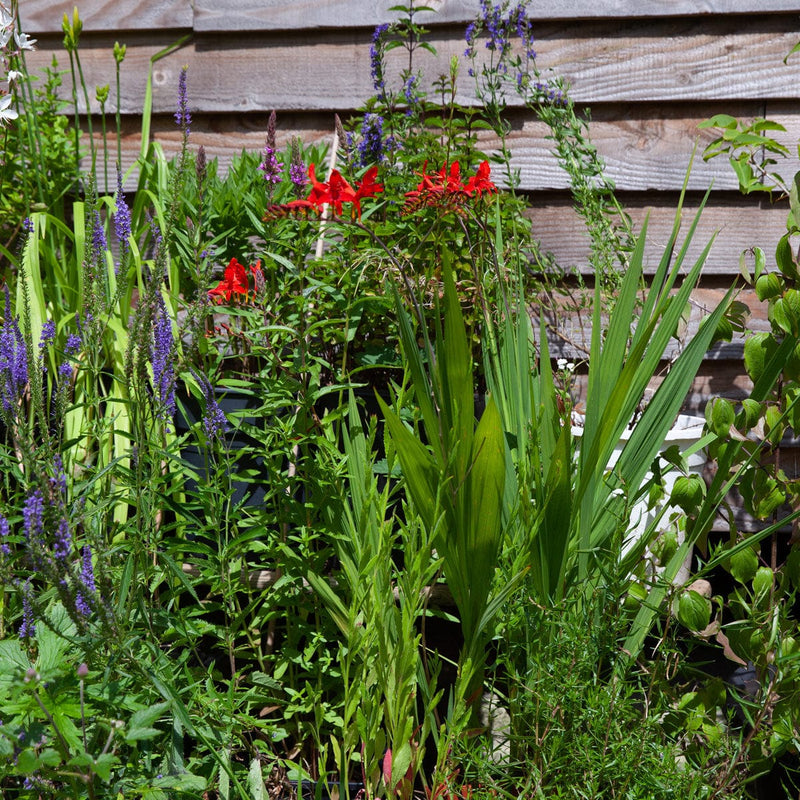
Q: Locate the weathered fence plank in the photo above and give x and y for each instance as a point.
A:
(45, 16)
(248, 15)
(691, 60)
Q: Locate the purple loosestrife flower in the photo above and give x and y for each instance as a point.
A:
(298, 173)
(27, 630)
(376, 60)
(122, 219)
(269, 160)
(87, 588)
(163, 356)
(183, 118)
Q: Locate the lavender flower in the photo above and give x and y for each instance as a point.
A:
(163, 351)
(183, 118)
(27, 225)
(376, 60)
(65, 369)
(87, 588)
(122, 219)
(27, 630)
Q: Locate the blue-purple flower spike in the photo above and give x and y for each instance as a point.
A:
(163, 361)
(33, 517)
(13, 358)
(87, 588)
(183, 118)
(27, 629)
(122, 219)
(376, 61)
(5, 531)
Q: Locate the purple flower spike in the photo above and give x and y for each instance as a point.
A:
(122, 219)
(33, 517)
(376, 60)
(99, 243)
(183, 118)
(270, 165)
(27, 630)
(163, 361)
(13, 358)
(63, 543)
(5, 530)
(88, 588)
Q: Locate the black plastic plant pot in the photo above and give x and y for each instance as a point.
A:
(240, 408)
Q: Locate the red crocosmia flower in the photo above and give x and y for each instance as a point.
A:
(234, 281)
(318, 190)
(367, 187)
(335, 191)
(339, 191)
(451, 181)
(479, 182)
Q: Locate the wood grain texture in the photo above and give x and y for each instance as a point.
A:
(45, 16)
(741, 223)
(645, 147)
(687, 60)
(248, 15)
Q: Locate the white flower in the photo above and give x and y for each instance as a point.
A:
(24, 42)
(6, 112)
(13, 75)
(561, 363)
(5, 37)
(6, 17)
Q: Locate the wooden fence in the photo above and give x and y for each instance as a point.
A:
(650, 71)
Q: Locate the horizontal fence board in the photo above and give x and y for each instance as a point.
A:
(45, 16)
(569, 318)
(645, 148)
(662, 61)
(239, 15)
(742, 223)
